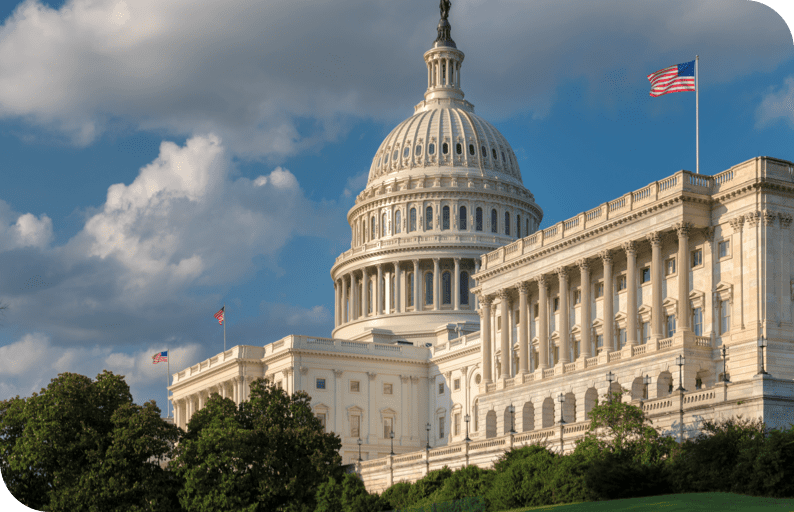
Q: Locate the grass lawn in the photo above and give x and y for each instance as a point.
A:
(707, 501)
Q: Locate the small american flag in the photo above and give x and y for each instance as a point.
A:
(219, 315)
(160, 357)
(678, 78)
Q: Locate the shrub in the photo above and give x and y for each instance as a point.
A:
(521, 479)
(465, 482)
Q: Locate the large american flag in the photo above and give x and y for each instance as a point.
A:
(680, 77)
(219, 315)
(160, 357)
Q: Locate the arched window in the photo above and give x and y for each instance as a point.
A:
(464, 288)
(507, 223)
(458, 148)
(518, 226)
(471, 149)
(494, 220)
(445, 217)
(383, 231)
(409, 292)
(484, 152)
(431, 149)
(429, 289)
(372, 231)
(397, 221)
(428, 218)
(462, 219)
(445, 148)
(406, 152)
(493, 152)
(412, 220)
(446, 288)
(478, 219)
(364, 230)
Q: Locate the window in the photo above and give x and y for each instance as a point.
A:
(484, 152)
(397, 221)
(445, 148)
(577, 297)
(698, 383)
(621, 338)
(446, 288)
(383, 225)
(697, 321)
(457, 384)
(724, 248)
(478, 219)
(412, 220)
(645, 275)
(445, 217)
(355, 386)
(431, 149)
(320, 383)
(410, 291)
(471, 149)
(535, 312)
(498, 323)
(388, 427)
(518, 226)
(464, 288)
(441, 422)
(462, 218)
(321, 416)
(646, 332)
(372, 230)
(599, 343)
(387, 389)
(503, 156)
(494, 221)
(418, 150)
(507, 223)
(458, 148)
(355, 426)
(669, 267)
(670, 325)
(428, 218)
(456, 426)
(440, 388)
(697, 258)
(555, 356)
(429, 288)
(394, 156)
(386, 158)
(556, 303)
(725, 316)
(493, 153)
(599, 290)
(406, 152)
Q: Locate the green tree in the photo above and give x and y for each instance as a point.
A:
(270, 453)
(521, 481)
(83, 444)
(329, 496)
(355, 497)
(467, 481)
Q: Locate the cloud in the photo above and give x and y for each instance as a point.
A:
(355, 184)
(777, 104)
(280, 77)
(23, 230)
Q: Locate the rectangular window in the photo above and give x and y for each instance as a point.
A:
(669, 267)
(670, 325)
(355, 426)
(577, 297)
(355, 386)
(725, 316)
(441, 388)
(599, 290)
(498, 323)
(724, 248)
(621, 283)
(697, 258)
(441, 422)
(456, 426)
(599, 343)
(387, 428)
(535, 311)
(621, 338)
(321, 417)
(646, 332)
(645, 275)
(387, 389)
(457, 384)
(556, 356)
(320, 383)
(556, 303)
(697, 321)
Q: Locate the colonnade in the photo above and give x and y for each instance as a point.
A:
(356, 296)
(237, 388)
(584, 266)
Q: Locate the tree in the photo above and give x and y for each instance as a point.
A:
(521, 479)
(270, 453)
(83, 444)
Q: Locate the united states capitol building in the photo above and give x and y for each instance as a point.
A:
(464, 329)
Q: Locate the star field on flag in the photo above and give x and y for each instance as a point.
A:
(160, 357)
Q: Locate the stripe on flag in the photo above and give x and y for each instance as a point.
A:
(678, 78)
(219, 315)
(160, 357)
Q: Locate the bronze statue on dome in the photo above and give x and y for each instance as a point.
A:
(444, 7)
(444, 29)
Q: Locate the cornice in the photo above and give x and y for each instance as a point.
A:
(291, 352)
(459, 353)
(451, 247)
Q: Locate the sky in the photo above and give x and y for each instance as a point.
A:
(162, 158)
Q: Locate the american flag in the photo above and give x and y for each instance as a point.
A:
(219, 315)
(680, 77)
(160, 357)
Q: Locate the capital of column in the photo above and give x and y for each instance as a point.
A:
(404, 379)
(463, 370)
(682, 229)
(485, 300)
(523, 287)
(504, 294)
(372, 375)
(753, 218)
(456, 260)
(541, 280)
(737, 223)
(583, 264)
(562, 274)
(338, 373)
(785, 220)
(606, 256)
(708, 234)
(630, 247)
(769, 217)
(415, 262)
(436, 261)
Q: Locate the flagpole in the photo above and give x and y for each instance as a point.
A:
(697, 120)
(167, 381)
(224, 327)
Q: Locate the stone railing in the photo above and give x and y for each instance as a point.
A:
(405, 240)
(682, 181)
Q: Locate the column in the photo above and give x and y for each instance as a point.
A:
(364, 293)
(337, 291)
(476, 269)
(417, 286)
(436, 284)
(523, 323)
(543, 325)
(345, 304)
(657, 279)
(586, 323)
(485, 338)
(564, 330)
(355, 301)
(398, 302)
(505, 297)
(631, 293)
(682, 317)
(737, 224)
(456, 285)
(379, 291)
(609, 305)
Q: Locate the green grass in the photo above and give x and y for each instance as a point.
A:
(708, 501)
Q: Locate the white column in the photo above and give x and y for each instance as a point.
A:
(657, 279)
(543, 324)
(523, 322)
(417, 287)
(379, 291)
(682, 321)
(631, 293)
(506, 352)
(398, 302)
(344, 318)
(586, 323)
(565, 330)
(456, 285)
(485, 338)
(436, 284)
(476, 269)
(609, 305)
(364, 293)
(737, 224)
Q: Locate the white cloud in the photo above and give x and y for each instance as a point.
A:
(777, 104)
(23, 230)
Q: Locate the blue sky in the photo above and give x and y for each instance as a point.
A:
(162, 158)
